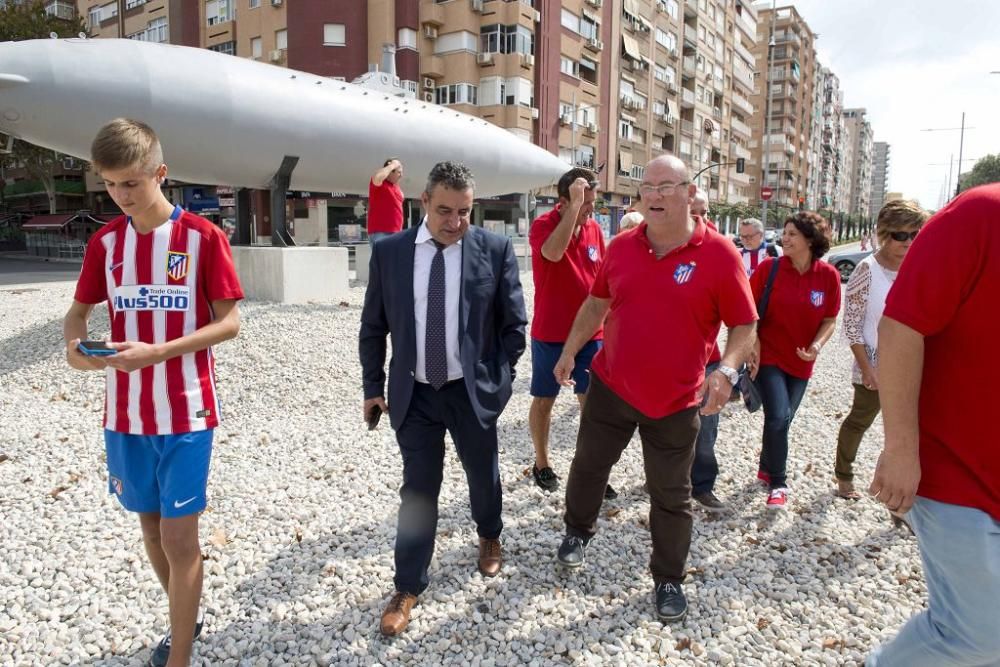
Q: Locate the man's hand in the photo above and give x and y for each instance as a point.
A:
(753, 359)
(869, 378)
(370, 403)
(132, 355)
(564, 368)
(897, 476)
(82, 362)
(719, 390)
(577, 190)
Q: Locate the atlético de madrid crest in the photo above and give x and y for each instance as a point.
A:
(592, 253)
(177, 265)
(683, 273)
(816, 298)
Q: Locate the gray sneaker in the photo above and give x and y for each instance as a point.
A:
(572, 551)
(710, 503)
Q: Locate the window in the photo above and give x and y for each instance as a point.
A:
(156, 31)
(585, 156)
(218, 11)
(589, 28)
(94, 17)
(334, 34)
(513, 91)
(659, 108)
(457, 41)
(256, 48)
(254, 4)
(407, 39)
(638, 171)
(229, 48)
(672, 8)
(456, 93)
(666, 39)
(570, 20)
(281, 39)
(588, 70)
(498, 38)
(625, 129)
(130, 4)
(409, 85)
(569, 66)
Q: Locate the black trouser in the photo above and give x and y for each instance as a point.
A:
(606, 426)
(421, 442)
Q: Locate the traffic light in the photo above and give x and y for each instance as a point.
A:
(741, 165)
(802, 203)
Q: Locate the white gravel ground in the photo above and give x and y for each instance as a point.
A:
(299, 531)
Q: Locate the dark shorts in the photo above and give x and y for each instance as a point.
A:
(544, 357)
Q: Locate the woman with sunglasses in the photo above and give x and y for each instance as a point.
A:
(897, 226)
(800, 318)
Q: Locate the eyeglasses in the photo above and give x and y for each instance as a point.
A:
(663, 189)
(903, 236)
(750, 236)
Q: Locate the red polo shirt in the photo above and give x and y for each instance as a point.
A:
(665, 314)
(561, 287)
(799, 303)
(385, 207)
(948, 289)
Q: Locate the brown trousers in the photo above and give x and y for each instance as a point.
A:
(606, 426)
(866, 407)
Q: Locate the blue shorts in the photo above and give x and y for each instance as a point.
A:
(544, 357)
(164, 474)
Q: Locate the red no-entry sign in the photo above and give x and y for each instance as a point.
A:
(766, 193)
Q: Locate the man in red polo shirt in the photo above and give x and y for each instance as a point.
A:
(567, 248)
(940, 467)
(385, 201)
(665, 289)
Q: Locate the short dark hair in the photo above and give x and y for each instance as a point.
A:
(567, 179)
(386, 163)
(815, 229)
(452, 175)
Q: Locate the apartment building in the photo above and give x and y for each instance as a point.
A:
(163, 21)
(862, 148)
(880, 178)
(834, 175)
(782, 133)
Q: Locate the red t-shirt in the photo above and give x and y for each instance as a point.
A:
(948, 290)
(799, 304)
(160, 286)
(385, 207)
(665, 314)
(562, 287)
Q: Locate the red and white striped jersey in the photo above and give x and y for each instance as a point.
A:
(160, 286)
(753, 258)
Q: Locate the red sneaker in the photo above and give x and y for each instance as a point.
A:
(764, 478)
(777, 499)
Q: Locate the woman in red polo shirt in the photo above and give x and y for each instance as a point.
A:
(800, 319)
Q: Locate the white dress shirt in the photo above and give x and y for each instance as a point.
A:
(422, 259)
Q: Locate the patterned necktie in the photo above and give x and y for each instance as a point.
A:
(435, 348)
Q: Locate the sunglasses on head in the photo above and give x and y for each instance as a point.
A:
(903, 236)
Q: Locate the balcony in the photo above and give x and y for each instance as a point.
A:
(740, 127)
(739, 151)
(744, 52)
(689, 66)
(742, 103)
(743, 77)
(787, 38)
(687, 127)
(432, 66)
(687, 97)
(747, 24)
(594, 44)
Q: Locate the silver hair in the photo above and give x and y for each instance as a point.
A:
(753, 222)
(452, 175)
(701, 195)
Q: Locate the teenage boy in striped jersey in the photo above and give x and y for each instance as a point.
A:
(172, 291)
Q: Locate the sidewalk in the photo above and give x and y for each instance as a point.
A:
(22, 256)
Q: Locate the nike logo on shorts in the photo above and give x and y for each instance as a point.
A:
(178, 504)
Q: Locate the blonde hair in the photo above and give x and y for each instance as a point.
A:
(896, 216)
(125, 144)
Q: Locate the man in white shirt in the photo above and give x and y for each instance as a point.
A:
(755, 248)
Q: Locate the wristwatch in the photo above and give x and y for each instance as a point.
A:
(731, 374)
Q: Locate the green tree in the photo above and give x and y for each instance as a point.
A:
(987, 170)
(30, 21)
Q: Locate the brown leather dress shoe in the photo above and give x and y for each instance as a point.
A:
(490, 558)
(396, 616)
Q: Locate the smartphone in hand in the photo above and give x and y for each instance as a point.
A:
(95, 348)
(374, 414)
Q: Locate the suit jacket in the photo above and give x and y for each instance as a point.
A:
(491, 325)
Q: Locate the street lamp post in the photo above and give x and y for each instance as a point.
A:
(961, 145)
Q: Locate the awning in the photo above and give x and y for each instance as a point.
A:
(49, 221)
(631, 8)
(631, 47)
(625, 160)
(672, 108)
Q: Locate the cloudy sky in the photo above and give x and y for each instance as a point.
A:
(915, 64)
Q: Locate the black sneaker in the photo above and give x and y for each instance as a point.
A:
(671, 605)
(545, 478)
(571, 551)
(162, 651)
(710, 503)
(610, 493)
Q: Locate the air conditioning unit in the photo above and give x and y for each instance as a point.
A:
(430, 32)
(595, 43)
(429, 83)
(527, 60)
(534, 113)
(538, 16)
(595, 3)
(276, 3)
(484, 58)
(277, 55)
(673, 52)
(592, 127)
(566, 119)
(477, 6)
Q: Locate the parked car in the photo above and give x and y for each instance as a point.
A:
(845, 262)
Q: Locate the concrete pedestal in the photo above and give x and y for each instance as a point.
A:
(362, 256)
(292, 275)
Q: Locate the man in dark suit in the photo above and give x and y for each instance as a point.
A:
(450, 297)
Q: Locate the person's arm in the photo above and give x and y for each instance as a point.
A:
(372, 338)
(133, 355)
(856, 296)
(555, 245)
(75, 330)
(588, 320)
(379, 176)
(825, 332)
(901, 364)
(739, 342)
(510, 312)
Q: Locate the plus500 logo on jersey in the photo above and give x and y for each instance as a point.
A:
(152, 297)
